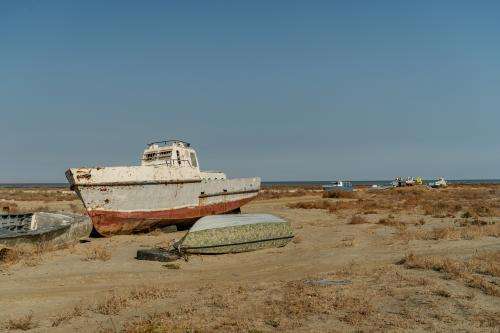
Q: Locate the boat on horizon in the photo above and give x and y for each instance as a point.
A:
(167, 188)
(438, 183)
(338, 185)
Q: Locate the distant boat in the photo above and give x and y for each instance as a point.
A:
(338, 185)
(409, 181)
(440, 182)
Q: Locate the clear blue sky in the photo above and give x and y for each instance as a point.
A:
(280, 89)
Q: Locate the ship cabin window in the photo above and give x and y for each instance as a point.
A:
(194, 163)
(166, 154)
(178, 157)
(149, 156)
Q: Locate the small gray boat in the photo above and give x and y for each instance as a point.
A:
(234, 233)
(338, 185)
(33, 228)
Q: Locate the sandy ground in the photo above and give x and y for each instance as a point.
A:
(446, 283)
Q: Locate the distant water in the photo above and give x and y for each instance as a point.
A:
(284, 183)
(378, 182)
(34, 185)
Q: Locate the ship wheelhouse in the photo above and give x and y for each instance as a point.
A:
(175, 153)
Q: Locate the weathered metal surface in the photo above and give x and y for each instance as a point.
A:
(15, 222)
(120, 222)
(56, 229)
(163, 190)
(235, 233)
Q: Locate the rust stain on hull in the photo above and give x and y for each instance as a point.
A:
(109, 222)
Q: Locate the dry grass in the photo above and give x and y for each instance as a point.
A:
(440, 209)
(149, 324)
(37, 194)
(277, 192)
(471, 271)
(347, 242)
(391, 221)
(478, 201)
(318, 204)
(285, 307)
(23, 323)
(466, 232)
(149, 293)
(297, 301)
(339, 194)
(296, 305)
(436, 203)
(111, 305)
(97, 252)
(9, 207)
(64, 318)
(331, 206)
(29, 255)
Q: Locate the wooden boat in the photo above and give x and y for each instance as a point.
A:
(56, 229)
(167, 188)
(233, 233)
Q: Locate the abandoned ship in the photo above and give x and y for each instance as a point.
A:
(167, 188)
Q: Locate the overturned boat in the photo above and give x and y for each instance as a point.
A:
(167, 188)
(47, 228)
(235, 233)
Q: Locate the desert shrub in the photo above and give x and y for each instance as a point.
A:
(23, 323)
(420, 222)
(97, 252)
(482, 210)
(339, 194)
(467, 214)
(319, 204)
(390, 221)
(277, 193)
(9, 207)
(65, 317)
(151, 323)
(111, 305)
(149, 293)
(440, 209)
(358, 219)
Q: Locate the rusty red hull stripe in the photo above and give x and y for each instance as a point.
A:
(110, 222)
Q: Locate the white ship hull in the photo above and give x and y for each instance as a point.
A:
(136, 205)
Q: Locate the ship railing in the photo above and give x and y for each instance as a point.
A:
(178, 163)
(169, 162)
(165, 142)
